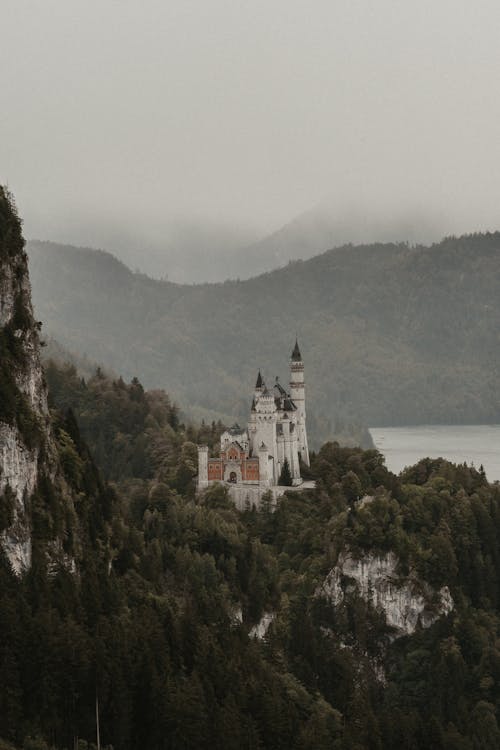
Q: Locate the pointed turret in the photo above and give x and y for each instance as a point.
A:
(298, 397)
(296, 355)
(260, 382)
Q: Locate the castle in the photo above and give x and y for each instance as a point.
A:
(254, 460)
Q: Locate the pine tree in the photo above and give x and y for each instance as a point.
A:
(286, 475)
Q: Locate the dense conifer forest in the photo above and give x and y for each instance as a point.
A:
(142, 609)
(156, 621)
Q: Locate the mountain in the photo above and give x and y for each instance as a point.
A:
(333, 621)
(184, 251)
(362, 613)
(390, 334)
(200, 251)
(24, 414)
(38, 518)
(324, 227)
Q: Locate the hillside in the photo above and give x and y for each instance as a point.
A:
(198, 251)
(390, 334)
(50, 494)
(323, 227)
(376, 621)
(360, 614)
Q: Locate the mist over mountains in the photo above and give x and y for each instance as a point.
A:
(197, 250)
(322, 228)
(390, 334)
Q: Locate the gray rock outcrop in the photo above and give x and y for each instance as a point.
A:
(406, 601)
(24, 386)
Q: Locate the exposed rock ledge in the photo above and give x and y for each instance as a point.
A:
(406, 601)
(19, 472)
(259, 631)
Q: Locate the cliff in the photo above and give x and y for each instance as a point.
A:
(25, 437)
(406, 601)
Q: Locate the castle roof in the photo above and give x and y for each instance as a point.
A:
(289, 405)
(282, 398)
(260, 381)
(234, 443)
(235, 429)
(278, 389)
(296, 355)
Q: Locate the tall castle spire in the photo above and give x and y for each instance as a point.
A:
(297, 392)
(296, 355)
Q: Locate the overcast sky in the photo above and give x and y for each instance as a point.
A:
(133, 113)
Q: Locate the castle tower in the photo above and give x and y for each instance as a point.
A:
(297, 392)
(202, 467)
(265, 480)
(265, 422)
(259, 385)
(252, 424)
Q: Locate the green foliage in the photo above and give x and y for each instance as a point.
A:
(14, 405)
(130, 432)
(390, 334)
(71, 462)
(285, 478)
(35, 743)
(11, 240)
(20, 332)
(7, 504)
(152, 619)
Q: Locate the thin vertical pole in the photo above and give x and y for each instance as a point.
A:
(98, 733)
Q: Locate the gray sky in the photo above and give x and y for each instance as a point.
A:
(130, 114)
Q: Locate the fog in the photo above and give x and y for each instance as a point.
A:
(138, 126)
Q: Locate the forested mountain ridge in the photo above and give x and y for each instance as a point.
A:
(390, 334)
(148, 622)
(331, 672)
(322, 227)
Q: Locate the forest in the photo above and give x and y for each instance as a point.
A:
(391, 334)
(156, 624)
(150, 616)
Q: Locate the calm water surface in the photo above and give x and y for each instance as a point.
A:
(404, 446)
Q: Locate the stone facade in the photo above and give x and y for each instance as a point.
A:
(251, 460)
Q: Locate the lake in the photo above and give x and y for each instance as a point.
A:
(405, 446)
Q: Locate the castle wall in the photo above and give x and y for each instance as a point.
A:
(250, 470)
(244, 497)
(266, 433)
(202, 466)
(297, 392)
(215, 470)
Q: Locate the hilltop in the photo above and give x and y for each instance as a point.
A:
(390, 334)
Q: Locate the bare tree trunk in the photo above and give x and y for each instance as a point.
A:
(98, 733)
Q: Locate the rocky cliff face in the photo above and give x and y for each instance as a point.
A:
(24, 419)
(406, 601)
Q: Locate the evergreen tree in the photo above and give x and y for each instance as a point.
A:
(286, 476)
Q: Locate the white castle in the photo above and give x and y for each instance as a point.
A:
(252, 460)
